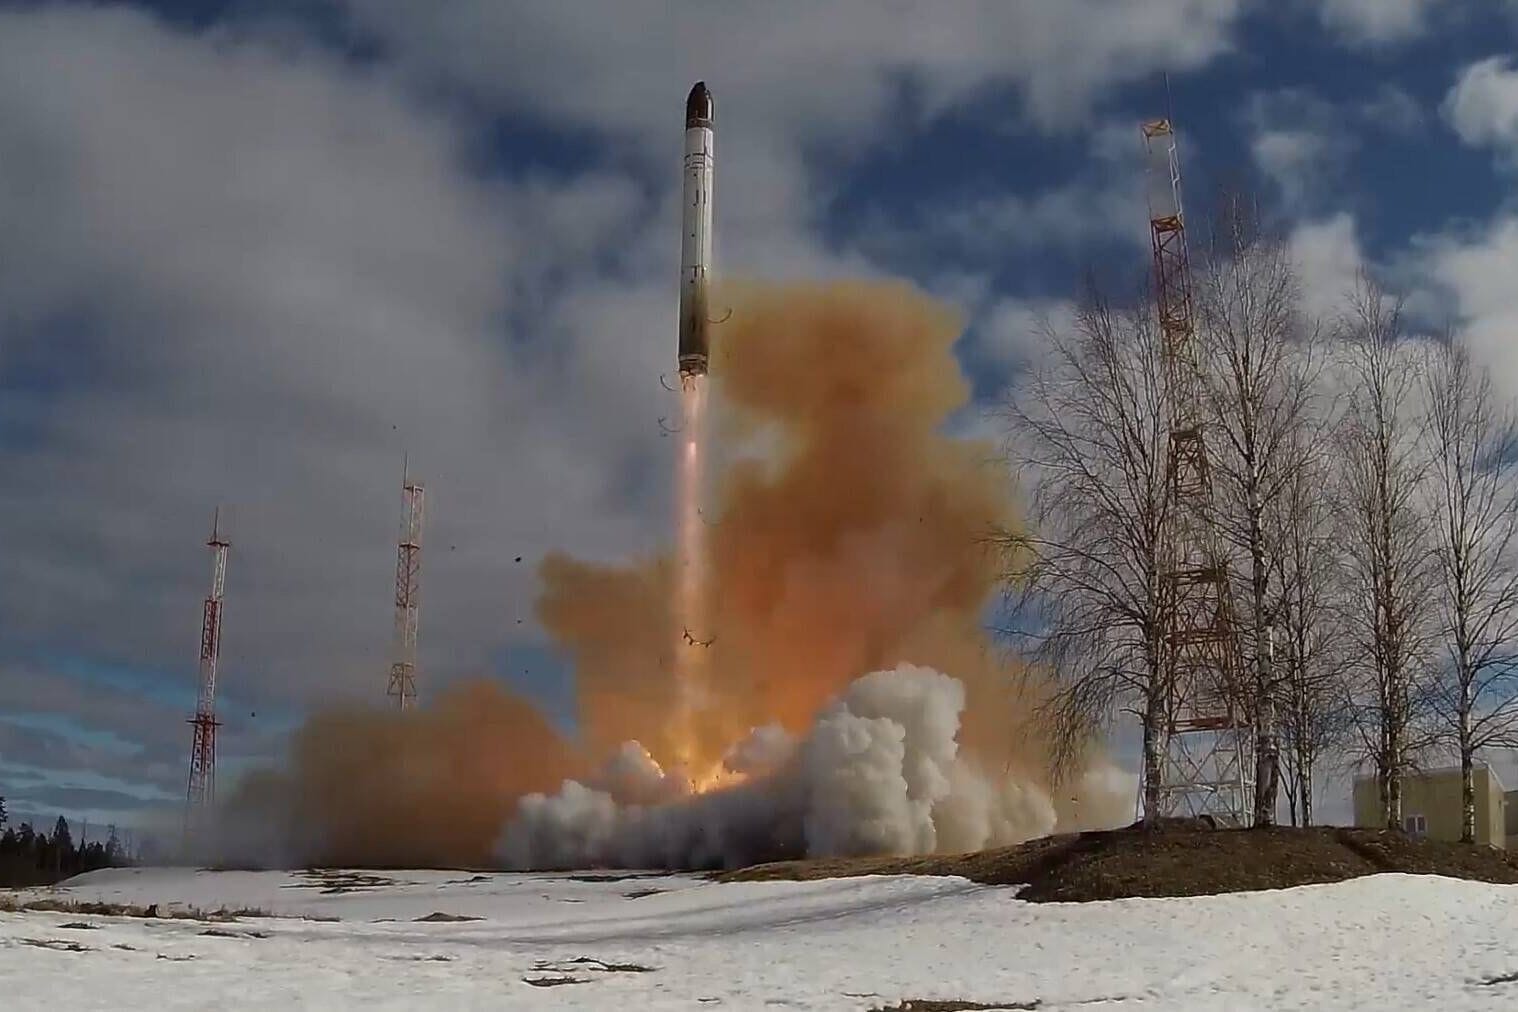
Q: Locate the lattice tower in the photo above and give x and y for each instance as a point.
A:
(201, 792)
(408, 570)
(1205, 767)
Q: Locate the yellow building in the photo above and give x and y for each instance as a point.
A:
(1431, 805)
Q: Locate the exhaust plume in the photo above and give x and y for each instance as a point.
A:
(879, 773)
(843, 539)
(851, 546)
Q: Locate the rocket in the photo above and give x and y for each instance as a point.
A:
(696, 233)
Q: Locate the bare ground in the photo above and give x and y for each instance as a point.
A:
(1178, 858)
(13, 904)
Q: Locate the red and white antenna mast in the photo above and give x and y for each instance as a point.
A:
(202, 786)
(1204, 766)
(408, 569)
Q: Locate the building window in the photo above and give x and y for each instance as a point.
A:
(1416, 825)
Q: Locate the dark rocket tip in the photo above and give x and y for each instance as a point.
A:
(698, 107)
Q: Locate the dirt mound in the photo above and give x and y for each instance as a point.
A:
(1177, 858)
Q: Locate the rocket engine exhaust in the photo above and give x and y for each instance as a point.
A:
(696, 231)
(690, 638)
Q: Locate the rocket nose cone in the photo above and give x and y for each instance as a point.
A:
(698, 106)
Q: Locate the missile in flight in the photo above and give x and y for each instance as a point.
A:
(696, 229)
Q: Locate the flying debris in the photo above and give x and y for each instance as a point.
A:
(696, 246)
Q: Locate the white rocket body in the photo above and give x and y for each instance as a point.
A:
(696, 233)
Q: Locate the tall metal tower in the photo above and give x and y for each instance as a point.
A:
(201, 792)
(1205, 768)
(408, 570)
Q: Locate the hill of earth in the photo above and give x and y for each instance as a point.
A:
(1175, 858)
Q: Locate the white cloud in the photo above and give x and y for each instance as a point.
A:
(1371, 23)
(1014, 331)
(959, 233)
(979, 227)
(823, 70)
(257, 276)
(1300, 144)
(793, 80)
(1329, 261)
(1303, 144)
(1482, 107)
(1474, 272)
(1294, 160)
(1393, 110)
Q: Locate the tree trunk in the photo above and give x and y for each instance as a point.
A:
(1154, 737)
(1467, 794)
(1467, 754)
(1396, 750)
(1266, 749)
(1304, 787)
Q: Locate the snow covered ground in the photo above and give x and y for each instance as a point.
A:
(661, 942)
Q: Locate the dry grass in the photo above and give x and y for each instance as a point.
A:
(1175, 859)
(13, 905)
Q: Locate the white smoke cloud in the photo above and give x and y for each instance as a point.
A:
(878, 773)
(633, 777)
(1103, 796)
(762, 752)
(877, 762)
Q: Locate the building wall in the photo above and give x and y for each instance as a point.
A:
(1435, 795)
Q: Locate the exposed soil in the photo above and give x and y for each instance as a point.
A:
(334, 881)
(15, 904)
(1177, 858)
(563, 971)
(929, 1005)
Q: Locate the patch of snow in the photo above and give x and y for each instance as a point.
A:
(602, 941)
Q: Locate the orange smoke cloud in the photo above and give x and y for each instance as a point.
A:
(854, 544)
(374, 787)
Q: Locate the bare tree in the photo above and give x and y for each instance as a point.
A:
(1384, 539)
(1256, 358)
(1471, 440)
(1304, 645)
(1090, 431)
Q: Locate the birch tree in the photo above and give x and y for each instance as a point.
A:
(1255, 359)
(1090, 430)
(1306, 660)
(1384, 539)
(1470, 440)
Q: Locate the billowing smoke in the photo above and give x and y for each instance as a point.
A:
(845, 537)
(880, 772)
(852, 544)
(375, 787)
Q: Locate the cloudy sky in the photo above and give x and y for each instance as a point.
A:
(253, 252)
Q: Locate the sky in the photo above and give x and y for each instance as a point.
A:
(251, 253)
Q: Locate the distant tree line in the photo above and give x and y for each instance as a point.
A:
(29, 857)
(1363, 498)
